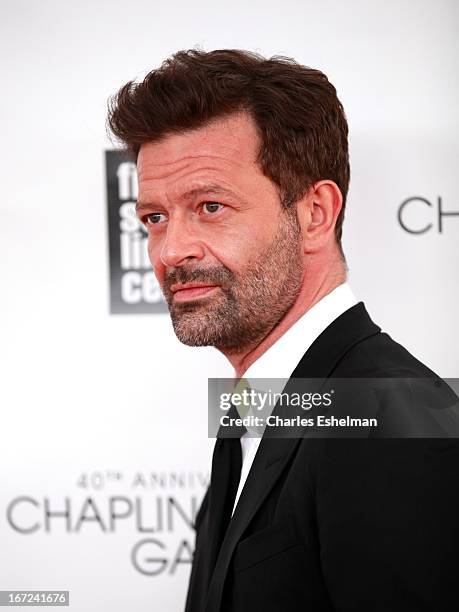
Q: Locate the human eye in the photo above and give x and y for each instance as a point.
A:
(210, 208)
(154, 219)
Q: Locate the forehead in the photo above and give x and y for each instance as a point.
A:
(226, 144)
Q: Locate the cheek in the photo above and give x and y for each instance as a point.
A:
(239, 249)
(154, 254)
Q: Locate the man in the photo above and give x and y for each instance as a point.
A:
(243, 174)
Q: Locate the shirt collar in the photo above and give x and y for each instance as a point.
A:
(280, 360)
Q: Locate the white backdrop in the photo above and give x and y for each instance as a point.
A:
(106, 414)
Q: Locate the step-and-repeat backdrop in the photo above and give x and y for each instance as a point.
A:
(104, 455)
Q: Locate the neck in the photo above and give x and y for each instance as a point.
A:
(310, 294)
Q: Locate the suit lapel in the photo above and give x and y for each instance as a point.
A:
(273, 454)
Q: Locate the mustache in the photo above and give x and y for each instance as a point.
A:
(218, 275)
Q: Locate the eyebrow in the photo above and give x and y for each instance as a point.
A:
(188, 195)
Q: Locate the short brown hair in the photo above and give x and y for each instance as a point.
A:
(301, 122)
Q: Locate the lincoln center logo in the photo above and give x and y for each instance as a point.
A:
(133, 285)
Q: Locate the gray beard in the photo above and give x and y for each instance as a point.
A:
(247, 305)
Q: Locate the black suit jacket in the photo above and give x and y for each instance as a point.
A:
(341, 524)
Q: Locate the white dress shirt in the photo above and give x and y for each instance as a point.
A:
(280, 360)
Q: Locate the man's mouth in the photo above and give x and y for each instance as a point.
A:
(191, 291)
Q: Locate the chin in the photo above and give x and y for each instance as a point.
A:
(192, 341)
(191, 337)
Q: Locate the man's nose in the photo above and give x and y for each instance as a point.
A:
(181, 244)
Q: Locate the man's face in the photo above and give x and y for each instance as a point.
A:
(228, 257)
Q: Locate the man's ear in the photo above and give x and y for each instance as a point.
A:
(317, 211)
